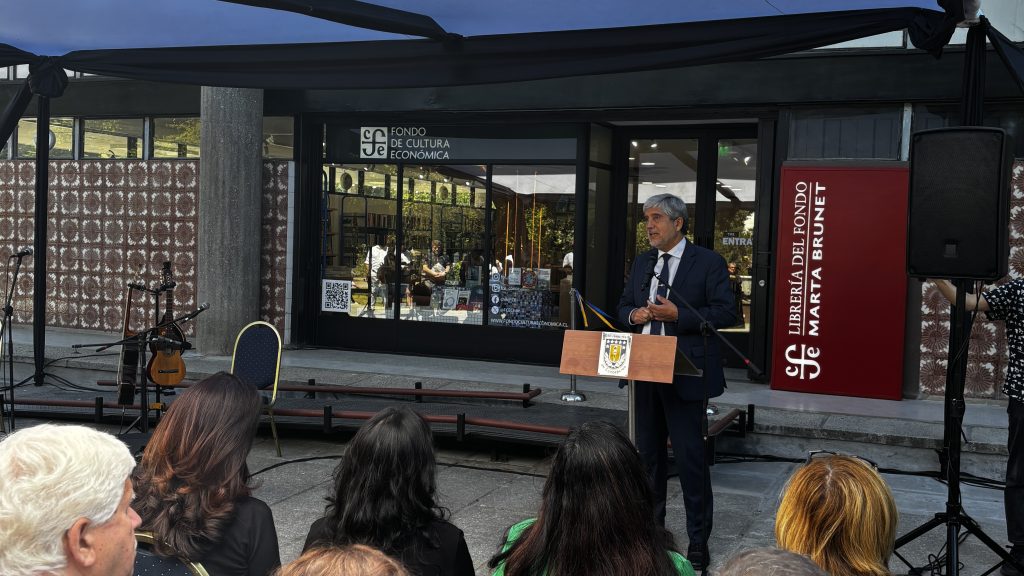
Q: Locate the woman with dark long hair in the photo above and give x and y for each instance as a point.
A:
(596, 516)
(192, 487)
(384, 496)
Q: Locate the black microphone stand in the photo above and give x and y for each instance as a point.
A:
(705, 328)
(142, 339)
(5, 331)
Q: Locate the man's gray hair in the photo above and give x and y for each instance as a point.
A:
(761, 561)
(671, 206)
(50, 476)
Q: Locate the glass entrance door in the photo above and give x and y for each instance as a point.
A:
(714, 170)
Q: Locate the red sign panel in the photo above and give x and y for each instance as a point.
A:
(841, 280)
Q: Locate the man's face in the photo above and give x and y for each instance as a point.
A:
(115, 538)
(662, 231)
(732, 267)
(436, 248)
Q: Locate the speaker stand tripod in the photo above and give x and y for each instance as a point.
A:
(954, 517)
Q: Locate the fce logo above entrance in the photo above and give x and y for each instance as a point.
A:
(373, 142)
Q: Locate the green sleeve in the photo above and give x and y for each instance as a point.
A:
(513, 534)
(683, 567)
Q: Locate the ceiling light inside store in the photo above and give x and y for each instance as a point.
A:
(648, 183)
(660, 186)
(647, 163)
(746, 160)
(654, 145)
(634, 143)
(632, 158)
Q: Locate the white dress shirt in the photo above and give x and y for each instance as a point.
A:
(666, 276)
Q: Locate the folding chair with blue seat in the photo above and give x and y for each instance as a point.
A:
(257, 360)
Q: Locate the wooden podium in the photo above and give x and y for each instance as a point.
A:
(651, 359)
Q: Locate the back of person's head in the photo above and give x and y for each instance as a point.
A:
(194, 467)
(385, 486)
(352, 560)
(840, 512)
(596, 493)
(52, 477)
(762, 561)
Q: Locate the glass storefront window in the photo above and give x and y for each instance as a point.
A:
(665, 166)
(112, 138)
(279, 137)
(358, 235)
(442, 237)
(533, 221)
(176, 137)
(735, 208)
(63, 131)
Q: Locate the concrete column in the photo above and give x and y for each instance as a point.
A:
(230, 193)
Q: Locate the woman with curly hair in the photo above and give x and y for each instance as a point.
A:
(192, 487)
(596, 516)
(384, 497)
(839, 511)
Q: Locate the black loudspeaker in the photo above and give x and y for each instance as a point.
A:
(959, 203)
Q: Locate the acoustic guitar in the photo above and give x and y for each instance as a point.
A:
(166, 368)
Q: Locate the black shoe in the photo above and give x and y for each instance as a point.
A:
(698, 556)
(1018, 554)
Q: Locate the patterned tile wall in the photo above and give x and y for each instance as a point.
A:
(986, 366)
(112, 222)
(274, 248)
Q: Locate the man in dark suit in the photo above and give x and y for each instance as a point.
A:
(651, 303)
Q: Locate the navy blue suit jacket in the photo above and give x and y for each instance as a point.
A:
(703, 280)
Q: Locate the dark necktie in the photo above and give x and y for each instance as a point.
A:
(656, 325)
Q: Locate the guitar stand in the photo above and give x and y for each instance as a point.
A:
(142, 340)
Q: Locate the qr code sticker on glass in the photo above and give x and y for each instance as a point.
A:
(337, 295)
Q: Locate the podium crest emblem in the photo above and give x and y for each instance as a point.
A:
(615, 348)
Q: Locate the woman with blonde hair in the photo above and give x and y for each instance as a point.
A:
(352, 560)
(839, 511)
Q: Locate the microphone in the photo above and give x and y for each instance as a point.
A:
(649, 273)
(172, 343)
(195, 312)
(24, 252)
